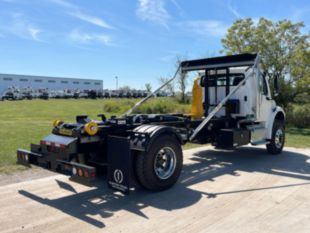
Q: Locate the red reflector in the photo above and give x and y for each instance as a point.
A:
(92, 174)
(86, 173)
(80, 172)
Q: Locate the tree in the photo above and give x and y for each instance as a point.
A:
(169, 87)
(284, 51)
(148, 87)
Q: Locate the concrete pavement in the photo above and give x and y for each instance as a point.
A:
(246, 190)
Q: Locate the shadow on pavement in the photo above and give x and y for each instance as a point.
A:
(205, 165)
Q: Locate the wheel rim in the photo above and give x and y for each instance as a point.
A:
(165, 163)
(278, 138)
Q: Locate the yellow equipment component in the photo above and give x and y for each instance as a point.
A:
(197, 108)
(57, 123)
(91, 128)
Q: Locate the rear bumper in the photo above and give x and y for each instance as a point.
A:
(53, 156)
(78, 171)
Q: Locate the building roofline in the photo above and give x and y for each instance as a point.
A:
(38, 76)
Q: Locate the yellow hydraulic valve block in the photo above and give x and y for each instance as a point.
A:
(197, 108)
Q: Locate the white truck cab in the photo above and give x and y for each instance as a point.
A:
(243, 93)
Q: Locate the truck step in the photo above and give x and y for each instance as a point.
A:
(259, 142)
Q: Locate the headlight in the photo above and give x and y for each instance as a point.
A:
(91, 128)
(57, 123)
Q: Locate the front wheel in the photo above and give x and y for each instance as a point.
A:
(278, 138)
(160, 167)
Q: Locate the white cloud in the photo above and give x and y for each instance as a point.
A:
(34, 32)
(205, 27)
(179, 8)
(64, 3)
(21, 27)
(91, 19)
(87, 38)
(153, 10)
(233, 10)
(76, 12)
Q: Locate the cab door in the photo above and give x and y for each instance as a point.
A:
(265, 102)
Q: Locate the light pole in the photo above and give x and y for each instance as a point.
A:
(116, 80)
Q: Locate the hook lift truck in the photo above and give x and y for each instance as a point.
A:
(232, 106)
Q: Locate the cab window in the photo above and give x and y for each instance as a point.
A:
(220, 80)
(263, 86)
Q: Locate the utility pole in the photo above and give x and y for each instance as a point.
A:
(116, 80)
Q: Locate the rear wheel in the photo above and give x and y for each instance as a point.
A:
(278, 138)
(160, 167)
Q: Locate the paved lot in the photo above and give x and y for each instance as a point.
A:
(219, 191)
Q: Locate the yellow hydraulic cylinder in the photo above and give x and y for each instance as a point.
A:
(197, 108)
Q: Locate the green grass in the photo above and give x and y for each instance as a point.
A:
(25, 122)
(297, 137)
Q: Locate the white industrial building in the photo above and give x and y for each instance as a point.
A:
(52, 83)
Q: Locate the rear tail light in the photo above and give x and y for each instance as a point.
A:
(83, 172)
(53, 144)
(22, 156)
(80, 172)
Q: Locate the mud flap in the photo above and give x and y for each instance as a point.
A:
(119, 158)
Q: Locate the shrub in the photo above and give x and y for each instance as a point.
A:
(117, 106)
(155, 105)
(298, 115)
(163, 105)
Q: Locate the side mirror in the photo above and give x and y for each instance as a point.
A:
(276, 85)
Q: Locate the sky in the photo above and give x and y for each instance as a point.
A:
(136, 40)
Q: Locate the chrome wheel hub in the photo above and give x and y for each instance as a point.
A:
(278, 138)
(165, 163)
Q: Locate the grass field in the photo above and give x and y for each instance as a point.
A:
(25, 122)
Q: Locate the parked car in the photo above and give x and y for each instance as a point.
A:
(106, 94)
(43, 94)
(12, 94)
(92, 94)
(114, 94)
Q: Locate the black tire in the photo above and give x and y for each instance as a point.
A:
(278, 138)
(145, 164)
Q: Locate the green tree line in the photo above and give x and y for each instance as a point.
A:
(284, 51)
